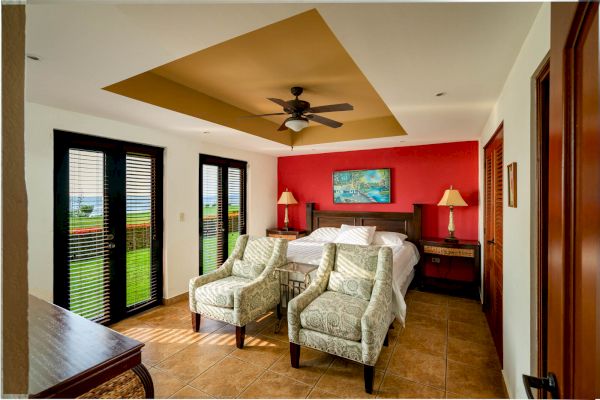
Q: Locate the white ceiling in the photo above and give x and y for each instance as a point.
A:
(408, 51)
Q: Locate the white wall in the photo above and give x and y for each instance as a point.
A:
(514, 107)
(181, 255)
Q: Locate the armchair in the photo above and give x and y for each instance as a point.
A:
(347, 309)
(243, 288)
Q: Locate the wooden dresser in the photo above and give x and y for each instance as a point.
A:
(70, 356)
(450, 266)
(290, 234)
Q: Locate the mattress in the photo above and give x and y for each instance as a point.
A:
(309, 250)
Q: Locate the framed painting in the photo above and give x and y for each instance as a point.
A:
(362, 186)
(512, 184)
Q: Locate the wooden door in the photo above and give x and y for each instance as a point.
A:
(574, 201)
(493, 237)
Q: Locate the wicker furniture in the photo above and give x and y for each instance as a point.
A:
(245, 287)
(346, 311)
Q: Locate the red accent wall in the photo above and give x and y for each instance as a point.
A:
(419, 174)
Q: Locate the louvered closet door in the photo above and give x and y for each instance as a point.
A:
(493, 246)
(222, 209)
(108, 226)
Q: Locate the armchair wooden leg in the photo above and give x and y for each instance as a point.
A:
(369, 376)
(295, 355)
(195, 322)
(386, 341)
(240, 335)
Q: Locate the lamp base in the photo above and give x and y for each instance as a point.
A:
(451, 239)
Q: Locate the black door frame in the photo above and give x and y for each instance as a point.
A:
(206, 159)
(116, 169)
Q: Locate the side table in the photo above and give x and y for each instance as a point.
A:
(294, 278)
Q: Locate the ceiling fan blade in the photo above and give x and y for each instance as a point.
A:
(325, 121)
(262, 115)
(282, 103)
(282, 127)
(331, 108)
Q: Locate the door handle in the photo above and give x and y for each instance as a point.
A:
(111, 245)
(548, 383)
(491, 241)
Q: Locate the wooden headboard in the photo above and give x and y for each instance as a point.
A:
(408, 223)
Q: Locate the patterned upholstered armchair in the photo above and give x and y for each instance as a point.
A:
(243, 288)
(347, 309)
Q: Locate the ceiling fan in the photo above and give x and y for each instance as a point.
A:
(301, 112)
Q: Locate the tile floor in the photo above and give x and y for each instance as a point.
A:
(445, 351)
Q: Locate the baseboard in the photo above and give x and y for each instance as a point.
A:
(175, 299)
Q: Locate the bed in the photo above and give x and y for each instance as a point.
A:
(324, 225)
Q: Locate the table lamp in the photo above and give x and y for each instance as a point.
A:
(452, 198)
(286, 198)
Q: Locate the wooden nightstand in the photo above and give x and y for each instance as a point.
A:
(454, 267)
(291, 234)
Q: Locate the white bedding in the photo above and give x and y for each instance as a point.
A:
(308, 250)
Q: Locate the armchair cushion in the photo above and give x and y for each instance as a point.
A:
(220, 293)
(259, 250)
(247, 269)
(356, 261)
(350, 285)
(335, 314)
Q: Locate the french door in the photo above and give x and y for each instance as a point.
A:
(107, 226)
(222, 208)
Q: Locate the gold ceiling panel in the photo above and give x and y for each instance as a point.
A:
(233, 79)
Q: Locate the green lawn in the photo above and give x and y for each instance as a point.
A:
(89, 302)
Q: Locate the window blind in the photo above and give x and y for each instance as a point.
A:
(88, 236)
(212, 217)
(142, 261)
(234, 204)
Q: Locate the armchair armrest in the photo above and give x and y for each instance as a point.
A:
(195, 283)
(375, 321)
(314, 290)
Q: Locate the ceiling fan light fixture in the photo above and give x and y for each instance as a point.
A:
(296, 123)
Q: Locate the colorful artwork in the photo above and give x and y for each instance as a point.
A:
(362, 186)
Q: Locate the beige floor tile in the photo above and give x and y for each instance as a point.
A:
(320, 394)
(436, 311)
(227, 378)
(426, 297)
(195, 359)
(188, 392)
(282, 334)
(472, 353)
(165, 384)
(469, 317)
(470, 332)
(345, 379)
(476, 382)
(313, 364)
(384, 356)
(426, 323)
(271, 385)
(155, 352)
(424, 340)
(418, 366)
(261, 350)
(467, 305)
(395, 387)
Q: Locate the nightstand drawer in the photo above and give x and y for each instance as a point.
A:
(449, 251)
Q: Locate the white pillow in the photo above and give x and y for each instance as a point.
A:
(350, 234)
(388, 238)
(325, 234)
